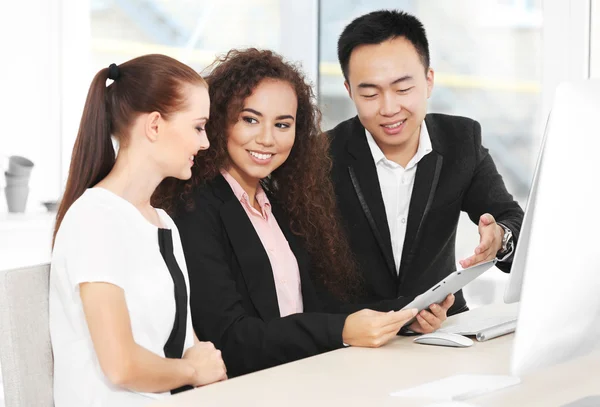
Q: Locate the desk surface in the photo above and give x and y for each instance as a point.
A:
(366, 377)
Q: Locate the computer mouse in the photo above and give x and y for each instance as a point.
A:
(444, 339)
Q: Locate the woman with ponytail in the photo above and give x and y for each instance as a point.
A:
(120, 323)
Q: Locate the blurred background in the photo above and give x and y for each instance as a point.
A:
(496, 61)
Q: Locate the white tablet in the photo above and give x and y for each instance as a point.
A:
(449, 285)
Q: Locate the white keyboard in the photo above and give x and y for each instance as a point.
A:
(480, 319)
(458, 387)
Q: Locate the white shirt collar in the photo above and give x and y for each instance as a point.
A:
(423, 149)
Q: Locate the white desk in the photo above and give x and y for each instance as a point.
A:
(365, 377)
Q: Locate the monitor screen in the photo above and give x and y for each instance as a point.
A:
(559, 317)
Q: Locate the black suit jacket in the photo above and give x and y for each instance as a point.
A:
(458, 175)
(232, 291)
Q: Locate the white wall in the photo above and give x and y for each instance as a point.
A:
(29, 41)
(595, 40)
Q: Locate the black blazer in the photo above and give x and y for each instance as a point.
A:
(232, 290)
(458, 175)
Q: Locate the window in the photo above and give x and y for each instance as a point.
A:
(487, 54)
(194, 31)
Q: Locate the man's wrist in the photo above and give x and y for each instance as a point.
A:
(502, 235)
(507, 245)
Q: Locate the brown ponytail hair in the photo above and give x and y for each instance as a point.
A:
(150, 83)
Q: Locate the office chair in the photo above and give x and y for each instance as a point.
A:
(25, 350)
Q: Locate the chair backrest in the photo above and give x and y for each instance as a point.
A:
(25, 350)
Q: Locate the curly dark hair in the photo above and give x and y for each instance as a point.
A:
(301, 185)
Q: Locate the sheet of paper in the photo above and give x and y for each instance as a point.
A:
(458, 387)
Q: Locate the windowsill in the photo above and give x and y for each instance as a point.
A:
(25, 238)
(31, 219)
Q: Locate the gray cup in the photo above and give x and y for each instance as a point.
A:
(16, 180)
(19, 166)
(16, 198)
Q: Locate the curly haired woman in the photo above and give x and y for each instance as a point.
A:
(258, 225)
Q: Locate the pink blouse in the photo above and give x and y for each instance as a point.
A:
(283, 262)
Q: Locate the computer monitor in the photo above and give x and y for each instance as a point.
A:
(559, 316)
(512, 292)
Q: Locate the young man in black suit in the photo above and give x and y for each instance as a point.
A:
(402, 176)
